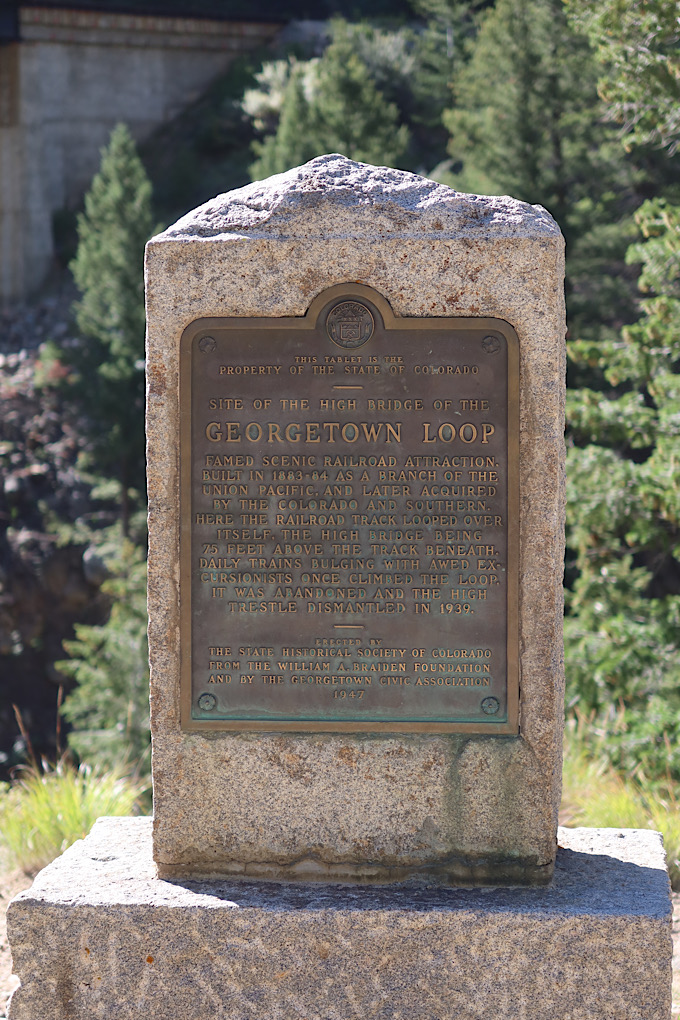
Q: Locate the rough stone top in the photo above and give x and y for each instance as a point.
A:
(334, 197)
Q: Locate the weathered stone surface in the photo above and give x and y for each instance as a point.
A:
(333, 198)
(99, 936)
(342, 806)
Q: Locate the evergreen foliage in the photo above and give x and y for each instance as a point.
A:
(109, 707)
(640, 81)
(527, 121)
(622, 635)
(374, 94)
(332, 104)
(622, 631)
(520, 101)
(206, 149)
(108, 364)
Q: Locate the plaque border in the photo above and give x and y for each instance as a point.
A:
(309, 322)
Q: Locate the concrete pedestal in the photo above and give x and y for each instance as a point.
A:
(99, 935)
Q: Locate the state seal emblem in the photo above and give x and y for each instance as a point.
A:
(350, 325)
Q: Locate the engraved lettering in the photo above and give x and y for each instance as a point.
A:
(342, 507)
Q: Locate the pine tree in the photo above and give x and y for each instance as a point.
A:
(637, 45)
(622, 626)
(292, 143)
(109, 707)
(333, 106)
(108, 269)
(527, 121)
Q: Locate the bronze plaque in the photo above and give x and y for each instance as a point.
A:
(349, 521)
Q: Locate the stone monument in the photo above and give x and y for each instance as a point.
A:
(363, 373)
(355, 459)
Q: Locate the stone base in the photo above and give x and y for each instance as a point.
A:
(100, 936)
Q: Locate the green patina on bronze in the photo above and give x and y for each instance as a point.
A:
(349, 521)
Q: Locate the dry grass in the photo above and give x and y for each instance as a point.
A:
(48, 808)
(594, 794)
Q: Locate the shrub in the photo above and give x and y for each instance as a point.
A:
(45, 810)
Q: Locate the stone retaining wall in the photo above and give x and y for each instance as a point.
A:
(73, 76)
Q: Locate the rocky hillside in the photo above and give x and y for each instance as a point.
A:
(49, 576)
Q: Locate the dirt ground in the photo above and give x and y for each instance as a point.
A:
(13, 882)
